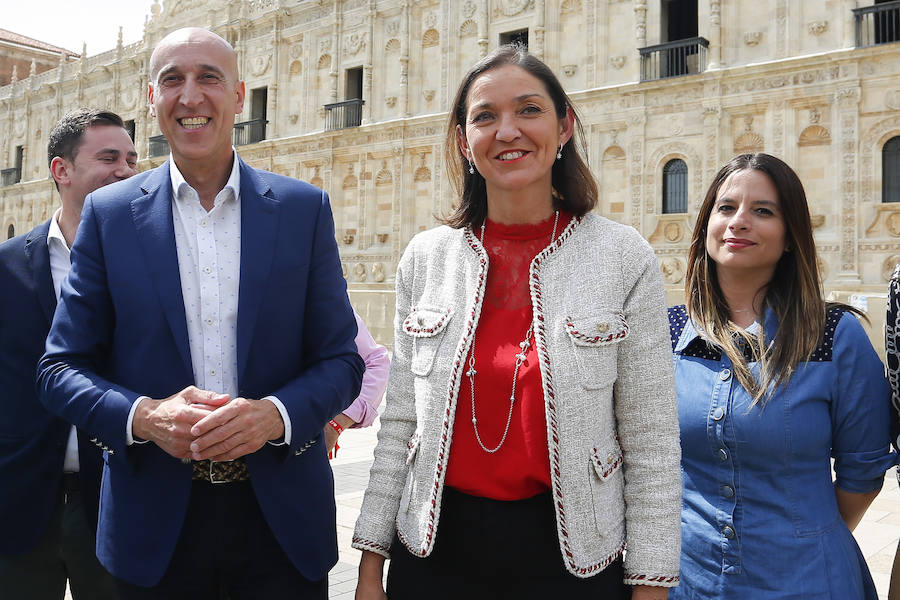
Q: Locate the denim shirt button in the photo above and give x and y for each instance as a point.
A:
(727, 491)
(718, 413)
(728, 532)
(725, 374)
(723, 455)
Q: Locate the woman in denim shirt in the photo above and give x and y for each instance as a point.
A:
(772, 383)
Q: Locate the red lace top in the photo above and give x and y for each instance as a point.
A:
(521, 467)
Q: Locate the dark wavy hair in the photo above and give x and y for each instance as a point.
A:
(574, 187)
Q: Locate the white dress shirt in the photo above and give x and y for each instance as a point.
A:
(60, 263)
(208, 246)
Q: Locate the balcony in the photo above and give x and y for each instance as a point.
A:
(342, 115)
(249, 132)
(674, 59)
(159, 145)
(877, 24)
(10, 176)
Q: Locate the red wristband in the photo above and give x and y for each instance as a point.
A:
(336, 426)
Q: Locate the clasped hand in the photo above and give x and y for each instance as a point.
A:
(198, 424)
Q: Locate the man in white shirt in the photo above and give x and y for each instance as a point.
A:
(204, 338)
(49, 472)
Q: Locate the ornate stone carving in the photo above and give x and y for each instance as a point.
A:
(378, 268)
(887, 267)
(569, 70)
(469, 8)
(348, 237)
(511, 8)
(468, 28)
(617, 62)
(393, 45)
(892, 99)
(749, 142)
(324, 62)
(672, 270)
(570, 6)
(817, 221)
(431, 38)
(259, 64)
(359, 269)
(817, 27)
(355, 42)
(381, 237)
(814, 135)
(753, 38)
(428, 95)
(390, 101)
(393, 27)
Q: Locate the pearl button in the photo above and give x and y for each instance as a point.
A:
(611, 458)
(603, 327)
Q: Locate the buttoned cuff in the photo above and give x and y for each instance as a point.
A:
(129, 436)
(284, 417)
(357, 412)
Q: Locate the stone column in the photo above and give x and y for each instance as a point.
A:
(404, 59)
(847, 101)
(636, 132)
(715, 34)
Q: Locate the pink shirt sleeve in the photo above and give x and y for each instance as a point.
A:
(365, 408)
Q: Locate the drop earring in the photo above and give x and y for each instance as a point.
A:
(471, 168)
(559, 152)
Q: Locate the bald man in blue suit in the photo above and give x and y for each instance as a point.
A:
(204, 338)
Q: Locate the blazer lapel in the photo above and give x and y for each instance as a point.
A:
(259, 223)
(152, 215)
(38, 255)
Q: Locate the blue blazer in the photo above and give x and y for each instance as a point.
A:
(120, 333)
(32, 440)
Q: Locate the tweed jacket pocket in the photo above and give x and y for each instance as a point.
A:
(594, 338)
(426, 325)
(607, 485)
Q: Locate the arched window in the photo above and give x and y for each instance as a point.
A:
(675, 187)
(11, 232)
(890, 170)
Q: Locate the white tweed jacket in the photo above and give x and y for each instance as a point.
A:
(601, 334)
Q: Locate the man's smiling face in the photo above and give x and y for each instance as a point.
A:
(195, 94)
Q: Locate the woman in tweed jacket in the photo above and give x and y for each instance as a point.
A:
(588, 460)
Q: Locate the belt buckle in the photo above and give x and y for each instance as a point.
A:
(212, 478)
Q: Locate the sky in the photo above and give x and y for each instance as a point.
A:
(69, 23)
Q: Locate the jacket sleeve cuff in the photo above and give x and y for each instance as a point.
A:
(362, 544)
(651, 580)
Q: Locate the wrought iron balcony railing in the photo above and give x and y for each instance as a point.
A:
(341, 115)
(877, 24)
(159, 145)
(249, 132)
(10, 176)
(673, 59)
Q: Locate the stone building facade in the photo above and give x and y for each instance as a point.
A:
(352, 95)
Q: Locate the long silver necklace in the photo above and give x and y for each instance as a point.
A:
(524, 345)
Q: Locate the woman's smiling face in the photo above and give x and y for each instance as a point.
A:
(512, 132)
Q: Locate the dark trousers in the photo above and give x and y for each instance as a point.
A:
(67, 550)
(226, 550)
(494, 550)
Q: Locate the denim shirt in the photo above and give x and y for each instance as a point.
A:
(760, 518)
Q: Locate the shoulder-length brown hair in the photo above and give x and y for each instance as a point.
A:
(794, 293)
(574, 187)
